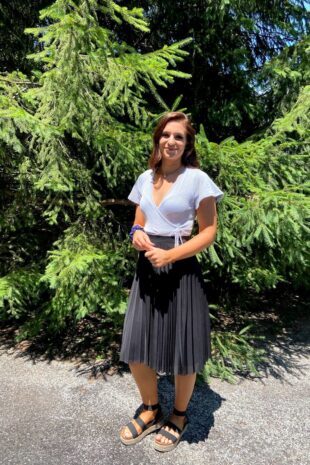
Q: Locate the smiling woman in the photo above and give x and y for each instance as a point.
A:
(167, 326)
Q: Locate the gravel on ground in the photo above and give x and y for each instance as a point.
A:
(54, 413)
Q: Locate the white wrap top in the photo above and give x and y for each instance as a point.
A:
(175, 215)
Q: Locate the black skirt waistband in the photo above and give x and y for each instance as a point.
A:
(166, 237)
(165, 241)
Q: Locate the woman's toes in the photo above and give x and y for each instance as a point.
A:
(126, 434)
(161, 439)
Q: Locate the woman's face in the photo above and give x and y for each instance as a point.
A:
(172, 142)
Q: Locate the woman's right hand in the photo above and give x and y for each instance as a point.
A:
(141, 241)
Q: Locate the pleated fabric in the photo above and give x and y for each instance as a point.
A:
(167, 324)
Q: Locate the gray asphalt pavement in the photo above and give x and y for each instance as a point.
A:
(55, 414)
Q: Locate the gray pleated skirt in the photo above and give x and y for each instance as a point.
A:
(167, 324)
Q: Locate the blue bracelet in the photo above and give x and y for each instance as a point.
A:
(136, 227)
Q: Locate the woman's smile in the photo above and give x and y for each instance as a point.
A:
(171, 150)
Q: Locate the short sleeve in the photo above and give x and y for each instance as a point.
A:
(136, 192)
(206, 188)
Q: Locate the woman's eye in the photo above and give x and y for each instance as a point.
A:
(177, 137)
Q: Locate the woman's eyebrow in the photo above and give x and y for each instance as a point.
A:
(174, 133)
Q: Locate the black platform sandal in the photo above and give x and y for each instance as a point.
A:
(147, 428)
(175, 439)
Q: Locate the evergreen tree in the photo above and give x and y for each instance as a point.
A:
(264, 221)
(15, 16)
(247, 58)
(70, 136)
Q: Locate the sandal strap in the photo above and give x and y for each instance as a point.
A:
(151, 407)
(132, 428)
(173, 426)
(141, 423)
(168, 435)
(159, 415)
(178, 413)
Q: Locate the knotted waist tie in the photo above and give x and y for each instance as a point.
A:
(178, 239)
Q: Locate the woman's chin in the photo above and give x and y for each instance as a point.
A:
(172, 156)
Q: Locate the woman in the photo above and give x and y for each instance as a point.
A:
(167, 326)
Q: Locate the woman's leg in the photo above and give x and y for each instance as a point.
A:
(184, 386)
(146, 380)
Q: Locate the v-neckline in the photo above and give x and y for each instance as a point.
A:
(168, 192)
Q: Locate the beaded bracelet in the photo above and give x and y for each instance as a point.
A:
(136, 227)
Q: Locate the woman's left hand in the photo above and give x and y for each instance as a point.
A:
(158, 257)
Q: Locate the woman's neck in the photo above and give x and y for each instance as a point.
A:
(169, 169)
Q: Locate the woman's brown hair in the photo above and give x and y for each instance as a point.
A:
(189, 157)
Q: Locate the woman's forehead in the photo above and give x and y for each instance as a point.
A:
(175, 126)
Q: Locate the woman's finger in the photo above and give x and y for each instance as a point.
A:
(148, 254)
(141, 245)
(147, 243)
(142, 240)
(148, 240)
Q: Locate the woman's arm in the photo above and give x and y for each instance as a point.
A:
(207, 222)
(141, 240)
